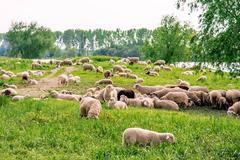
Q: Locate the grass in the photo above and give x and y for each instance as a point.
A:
(52, 129)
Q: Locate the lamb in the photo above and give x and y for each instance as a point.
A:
(99, 69)
(147, 89)
(152, 73)
(139, 80)
(88, 66)
(84, 60)
(104, 81)
(160, 62)
(10, 86)
(118, 68)
(112, 103)
(127, 93)
(57, 95)
(202, 78)
(9, 92)
(165, 104)
(142, 137)
(234, 109)
(233, 96)
(131, 101)
(19, 98)
(25, 76)
(63, 79)
(180, 98)
(198, 88)
(108, 74)
(90, 108)
(109, 92)
(33, 82)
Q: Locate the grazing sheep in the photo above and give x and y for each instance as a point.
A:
(118, 68)
(144, 63)
(112, 103)
(216, 100)
(33, 82)
(234, 109)
(90, 108)
(152, 73)
(131, 101)
(164, 91)
(188, 73)
(25, 76)
(9, 92)
(182, 83)
(122, 74)
(165, 104)
(99, 69)
(111, 61)
(156, 69)
(147, 68)
(108, 74)
(147, 89)
(88, 67)
(109, 92)
(142, 137)
(19, 98)
(74, 79)
(57, 95)
(127, 70)
(84, 60)
(10, 86)
(166, 68)
(127, 93)
(139, 80)
(202, 78)
(63, 79)
(133, 59)
(203, 96)
(198, 88)
(104, 81)
(180, 98)
(132, 76)
(36, 65)
(67, 62)
(233, 96)
(160, 62)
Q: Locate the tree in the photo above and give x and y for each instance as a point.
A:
(220, 32)
(29, 41)
(170, 41)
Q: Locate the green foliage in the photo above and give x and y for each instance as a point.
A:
(29, 41)
(220, 31)
(171, 41)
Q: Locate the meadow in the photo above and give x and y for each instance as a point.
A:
(52, 129)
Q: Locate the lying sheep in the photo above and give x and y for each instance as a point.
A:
(165, 104)
(90, 108)
(142, 137)
(180, 98)
(132, 76)
(198, 88)
(131, 101)
(127, 93)
(148, 102)
(188, 73)
(182, 83)
(147, 89)
(63, 79)
(139, 80)
(152, 73)
(234, 109)
(62, 96)
(5, 77)
(159, 62)
(88, 67)
(133, 59)
(33, 82)
(112, 103)
(108, 74)
(19, 98)
(148, 68)
(99, 69)
(202, 78)
(122, 74)
(9, 92)
(104, 81)
(10, 86)
(156, 69)
(166, 68)
(109, 92)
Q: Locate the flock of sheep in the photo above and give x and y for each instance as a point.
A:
(170, 97)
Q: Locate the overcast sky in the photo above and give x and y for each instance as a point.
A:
(90, 14)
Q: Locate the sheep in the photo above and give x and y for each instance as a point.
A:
(62, 96)
(234, 109)
(180, 98)
(188, 73)
(9, 92)
(159, 62)
(164, 91)
(133, 59)
(10, 86)
(217, 98)
(202, 78)
(107, 74)
(148, 102)
(63, 79)
(152, 73)
(166, 68)
(99, 69)
(111, 61)
(156, 69)
(142, 137)
(131, 101)
(126, 92)
(172, 65)
(19, 98)
(149, 61)
(198, 88)
(33, 82)
(165, 104)
(90, 108)
(67, 62)
(84, 60)
(109, 92)
(88, 66)
(112, 103)
(144, 63)
(232, 96)
(182, 83)
(147, 68)
(122, 74)
(147, 89)
(127, 70)
(203, 96)
(104, 81)
(36, 65)
(5, 77)
(74, 79)
(139, 80)
(118, 68)
(66, 92)
(25, 76)
(132, 76)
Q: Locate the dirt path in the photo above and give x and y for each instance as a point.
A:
(44, 84)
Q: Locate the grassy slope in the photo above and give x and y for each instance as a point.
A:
(53, 130)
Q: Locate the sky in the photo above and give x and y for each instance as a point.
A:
(91, 14)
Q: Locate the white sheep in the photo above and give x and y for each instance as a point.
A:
(10, 86)
(202, 78)
(63, 79)
(9, 92)
(109, 92)
(112, 103)
(62, 96)
(90, 107)
(19, 98)
(139, 80)
(33, 82)
(143, 137)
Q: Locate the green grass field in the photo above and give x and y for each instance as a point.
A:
(52, 129)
